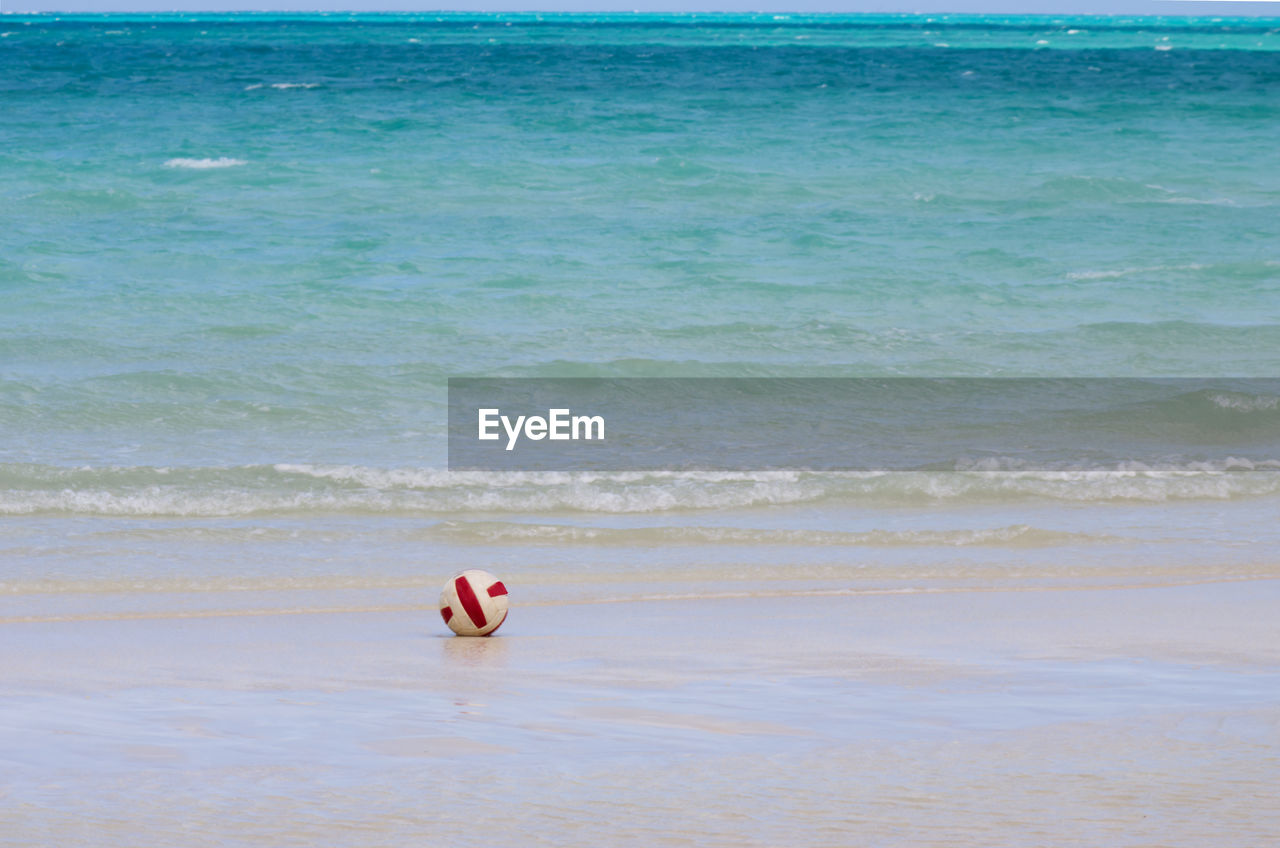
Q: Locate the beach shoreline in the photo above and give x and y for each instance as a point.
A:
(1068, 717)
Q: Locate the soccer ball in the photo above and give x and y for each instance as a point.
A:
(474, 603)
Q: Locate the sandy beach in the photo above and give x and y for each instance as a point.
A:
(1025, 716)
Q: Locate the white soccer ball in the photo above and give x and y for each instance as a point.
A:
(474, 603)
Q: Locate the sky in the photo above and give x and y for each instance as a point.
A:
(1050, 7)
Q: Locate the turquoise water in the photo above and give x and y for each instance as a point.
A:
(243, 253)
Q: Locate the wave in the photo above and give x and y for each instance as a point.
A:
(1216, 271)
(1243, 402)
(144, 491)
(203, 164)
(282, 86)
(1117, 273)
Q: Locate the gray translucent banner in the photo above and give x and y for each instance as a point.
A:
(863, 424)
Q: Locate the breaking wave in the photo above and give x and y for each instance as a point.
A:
(27, 489)
(203, 164)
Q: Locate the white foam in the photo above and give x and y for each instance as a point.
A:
(311, 489)
(287, 85)
(204, 164)
(1124, 272)
(1192, 201)
(1245, 403)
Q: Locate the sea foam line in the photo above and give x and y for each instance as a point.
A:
(249, 490)
(204, 164)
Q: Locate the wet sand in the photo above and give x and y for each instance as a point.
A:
(1058, 717)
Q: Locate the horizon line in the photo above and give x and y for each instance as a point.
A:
(587, 12)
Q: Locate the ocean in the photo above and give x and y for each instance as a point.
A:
(243, 254)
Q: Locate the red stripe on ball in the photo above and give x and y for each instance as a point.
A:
(470, 602)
